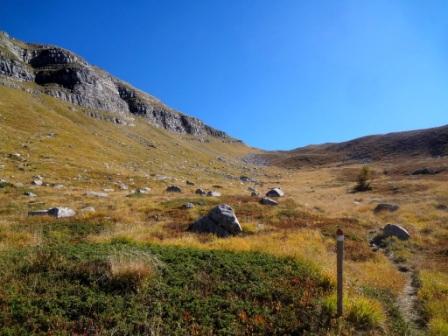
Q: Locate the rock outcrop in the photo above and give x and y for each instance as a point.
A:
(64, 75)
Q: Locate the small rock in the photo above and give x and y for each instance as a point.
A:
(61, 212)
(144, 190)
(96, 194)
(251, 189)
(88, 209)
(4, 183)
(213, 194)
(188, 205)
(255, 194)
(268, 201)
(190, 183)
(29, 194)
(442, 207)
(37, 183)
(425, 171)
(221, 220)
(396, 231)
(108, 190)
(122, 186)
(275, 192)
(200, 191)
(246, 179)
(386, 207)
(58, 186)
(173, 188)
(15, 156)
(38, 213)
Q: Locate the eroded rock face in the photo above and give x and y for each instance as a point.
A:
(221, 220)
(66, 76)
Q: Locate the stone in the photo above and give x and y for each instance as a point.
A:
(89, 209)
(122, 186)
(37, 183)
(29, 194)
(189, 183)
(4, 183)
(425, 171)
(213, 193)
(386, 207)
(61, 212)
(173, 188)
(200, 191)
(397, 231)
(268, 201)
(144, 190)
(38, 213)
(221, 220)
(255, 194)
(275, 192)
(96, 194)
(246, 179)
(188, 205)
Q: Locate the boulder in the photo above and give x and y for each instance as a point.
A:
(174, 188)
(397, 231)
(96, 194)
(221, 220)
(213, 193)
(200, 191)
(61, 212)
(268, 201)
(386, 207)
(275, 192)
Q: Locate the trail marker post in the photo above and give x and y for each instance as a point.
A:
(340, 271)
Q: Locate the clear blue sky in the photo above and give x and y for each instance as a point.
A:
(277, 74)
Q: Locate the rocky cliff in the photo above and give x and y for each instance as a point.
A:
(62, 74)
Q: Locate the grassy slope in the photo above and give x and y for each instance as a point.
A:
(89, 154)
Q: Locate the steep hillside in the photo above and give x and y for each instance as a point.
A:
(62, 74)
(431, 142)
(58, 139)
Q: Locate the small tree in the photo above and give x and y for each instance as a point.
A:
(364, 180)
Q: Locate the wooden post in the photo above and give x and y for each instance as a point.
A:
(340, 271)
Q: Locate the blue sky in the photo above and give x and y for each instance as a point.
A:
(277, 74)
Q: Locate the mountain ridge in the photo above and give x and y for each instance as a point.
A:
(430, 142)
(65, 75)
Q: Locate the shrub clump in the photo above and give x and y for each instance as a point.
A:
(364, 180)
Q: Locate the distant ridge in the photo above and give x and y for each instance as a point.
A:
(431, 142)
(60, 73)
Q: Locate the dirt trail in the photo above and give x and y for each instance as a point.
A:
(408, 301)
